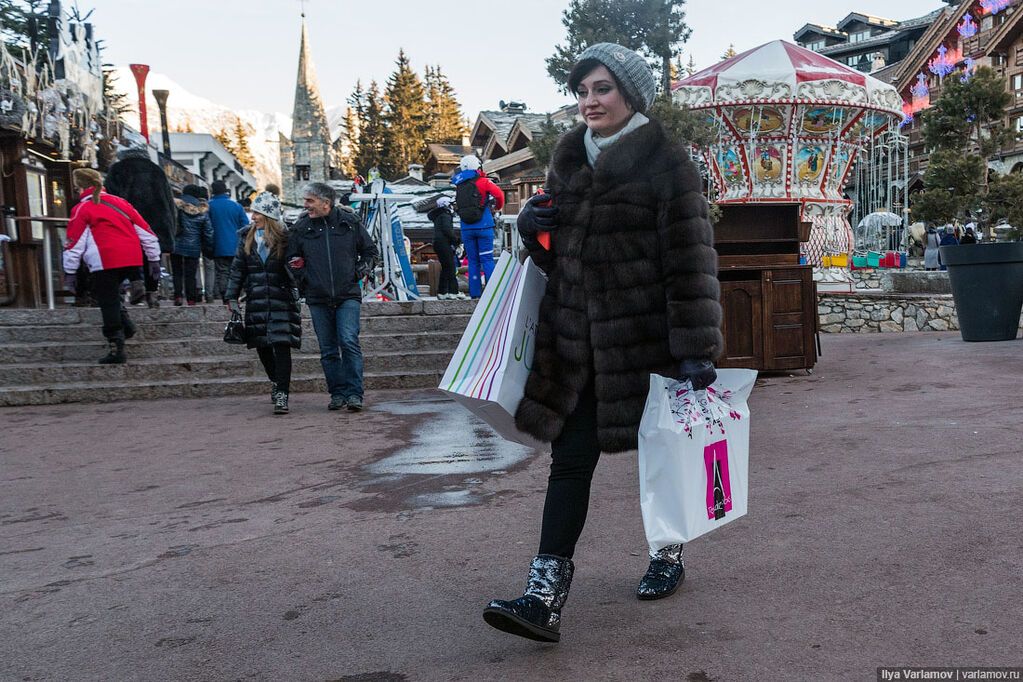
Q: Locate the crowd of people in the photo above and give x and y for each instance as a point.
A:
(251, 259)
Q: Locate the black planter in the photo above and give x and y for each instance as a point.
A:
(987, 285)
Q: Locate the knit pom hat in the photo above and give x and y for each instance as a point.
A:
(470, 162)
(631, 70)
(268, 205)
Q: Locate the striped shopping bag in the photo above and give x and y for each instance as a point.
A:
(488, 371)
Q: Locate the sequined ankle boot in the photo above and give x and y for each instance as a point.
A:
(537, 613)
(666, 572)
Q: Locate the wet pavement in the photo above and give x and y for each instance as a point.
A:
(207, 540)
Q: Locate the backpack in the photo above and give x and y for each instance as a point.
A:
(469, 202)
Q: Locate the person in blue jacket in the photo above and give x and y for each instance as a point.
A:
(228, 217)
(473, 194)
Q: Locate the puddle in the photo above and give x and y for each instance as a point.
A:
(447, 456)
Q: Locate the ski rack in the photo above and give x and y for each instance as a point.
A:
(392, 282)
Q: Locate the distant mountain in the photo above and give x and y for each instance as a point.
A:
(186, 111)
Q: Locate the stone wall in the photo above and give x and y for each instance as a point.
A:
(880, 312)
(866, 278)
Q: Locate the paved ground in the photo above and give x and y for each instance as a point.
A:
(207, 540)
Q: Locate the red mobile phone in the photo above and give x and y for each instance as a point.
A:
(544, 238)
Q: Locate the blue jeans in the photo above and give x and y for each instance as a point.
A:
(479, 247)
(337, 330)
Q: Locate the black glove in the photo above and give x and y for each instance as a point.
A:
(363, 270)
(233, 306)
(71, 283)
(533, 218)
(701, 373)
(154, 269)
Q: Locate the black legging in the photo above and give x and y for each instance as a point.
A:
(276, 361)
(574, 456)
(106, 289)
(446, 255)
(184, 269)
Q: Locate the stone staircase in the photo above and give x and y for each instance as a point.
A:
(49, 356)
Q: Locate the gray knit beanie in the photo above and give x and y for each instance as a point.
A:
(631, 70)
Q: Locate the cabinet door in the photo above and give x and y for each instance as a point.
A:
(742, 307)
(788, 328)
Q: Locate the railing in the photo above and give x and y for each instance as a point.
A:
(49, 224)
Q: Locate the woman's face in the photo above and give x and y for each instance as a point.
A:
(259, 221)
(601, 103)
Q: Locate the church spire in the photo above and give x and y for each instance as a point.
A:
(309, 119)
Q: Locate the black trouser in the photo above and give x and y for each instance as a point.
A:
(106, 289)
(574, 456)
(184, 269)
(276, 361)
(446, 255)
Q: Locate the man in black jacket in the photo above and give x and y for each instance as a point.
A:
(330, 252)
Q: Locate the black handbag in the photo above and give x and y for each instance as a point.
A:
(234, 332)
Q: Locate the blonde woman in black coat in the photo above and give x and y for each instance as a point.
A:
(273, 321)
(632, 291)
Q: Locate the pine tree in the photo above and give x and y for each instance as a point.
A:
(544, 140)
(24, 23)
(241, 150)
(405, 118)
(373, 137)
(348, 142)
(444, 113)
(691, 66)
(355, 120)
(115, 103)
(730, 52)
(224, 138)
(962, 129)
(655, 28)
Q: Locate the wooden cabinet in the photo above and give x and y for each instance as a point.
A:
(768, 300)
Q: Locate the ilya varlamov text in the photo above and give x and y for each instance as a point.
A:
(956, 674)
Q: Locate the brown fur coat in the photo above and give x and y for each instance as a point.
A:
(632, 285)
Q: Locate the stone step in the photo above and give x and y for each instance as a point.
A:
(148, 331)
(151, 370)
(101, 392)
(10, 317)
(93, 348)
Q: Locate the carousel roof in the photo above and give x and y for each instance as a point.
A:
(785, 73)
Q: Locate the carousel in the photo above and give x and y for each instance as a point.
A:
(791, 125)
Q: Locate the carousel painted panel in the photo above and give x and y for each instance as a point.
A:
(731, 170)
(769, 172)
(809, 163)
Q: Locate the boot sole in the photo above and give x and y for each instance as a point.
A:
(513, 625)
(660, 595)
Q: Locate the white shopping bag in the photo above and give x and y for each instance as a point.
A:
(694, 456)
(488, 371)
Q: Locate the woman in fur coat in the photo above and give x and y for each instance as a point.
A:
(632, 290)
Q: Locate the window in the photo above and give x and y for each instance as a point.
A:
(302, 173)
(1018, 124)
(852, 61)
(816, 45)
(859, 36)
(1017, 81)
(987, 23)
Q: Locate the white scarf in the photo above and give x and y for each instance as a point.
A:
(595, 144)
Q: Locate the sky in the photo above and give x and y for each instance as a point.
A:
(244, 53)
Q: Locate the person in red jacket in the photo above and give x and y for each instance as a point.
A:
(475, 194)
(105, 232)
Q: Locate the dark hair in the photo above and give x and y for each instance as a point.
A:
(583, 68)
(219, 187)
(193, 191)
(246, 202)
(204, 193)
